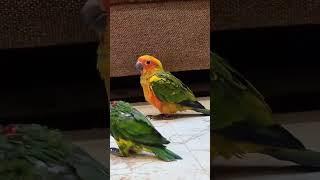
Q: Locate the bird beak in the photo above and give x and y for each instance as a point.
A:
(139, 66)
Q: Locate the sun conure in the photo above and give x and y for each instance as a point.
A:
(34, 152)
(242, 121)
(163, 90)
(134, 133)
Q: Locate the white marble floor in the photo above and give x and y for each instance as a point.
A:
(189, 135)
(190, 139)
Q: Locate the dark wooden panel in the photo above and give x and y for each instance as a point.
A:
(282, 62)
(129, 88)
(58, 86)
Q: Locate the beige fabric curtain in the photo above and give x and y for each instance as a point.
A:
(177, 32)
(114, 2)
(238, 14)
(30, 23)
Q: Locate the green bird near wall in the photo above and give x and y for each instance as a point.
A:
(242, 121)
(103, 64)
(134, 133)
(95, 15)
(34, 152)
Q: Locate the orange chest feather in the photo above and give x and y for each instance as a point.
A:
(150, 96)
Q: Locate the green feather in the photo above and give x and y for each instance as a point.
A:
(128, 124)
(168, 88)
(234, 98)
(103, 63)
(164, 154)
(36, 152)
(243, 120)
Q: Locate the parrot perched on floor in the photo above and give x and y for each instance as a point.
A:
(242, 121)
(133, 132)
(33, 152)
(163, 90)
(95, 15)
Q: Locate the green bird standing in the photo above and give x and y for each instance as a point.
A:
(103, 64)
(242, 121)
(33, 152)
(133, 132)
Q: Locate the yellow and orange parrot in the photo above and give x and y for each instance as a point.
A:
(163, 90)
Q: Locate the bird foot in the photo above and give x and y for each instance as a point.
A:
(161, 117)
(150, 116)
(166, 116)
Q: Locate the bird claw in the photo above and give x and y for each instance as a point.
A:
(162, 117)
(150, 116)
(166, 116)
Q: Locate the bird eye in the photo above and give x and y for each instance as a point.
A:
(148, 62)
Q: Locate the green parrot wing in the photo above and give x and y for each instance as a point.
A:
(102, 61)
(35, 152)
(240, 112)
(168, 88)
(103, 64)
(136, 127)
(223, 70)
(234, 98)
(242, 118)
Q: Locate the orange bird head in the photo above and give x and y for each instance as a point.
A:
(148, 64)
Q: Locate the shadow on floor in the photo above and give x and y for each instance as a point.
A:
(173, 116)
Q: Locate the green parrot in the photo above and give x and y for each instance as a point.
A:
(95, 15)
(133, 132)
(33, 152)
(103, 61)
(242, 121)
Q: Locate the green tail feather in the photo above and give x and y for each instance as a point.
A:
(203, 111)
(164, 154)
(196, 106)
(306, 158)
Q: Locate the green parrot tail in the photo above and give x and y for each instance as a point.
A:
(196, 106)
(306, 158)
(203, 111)
(164, 154)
